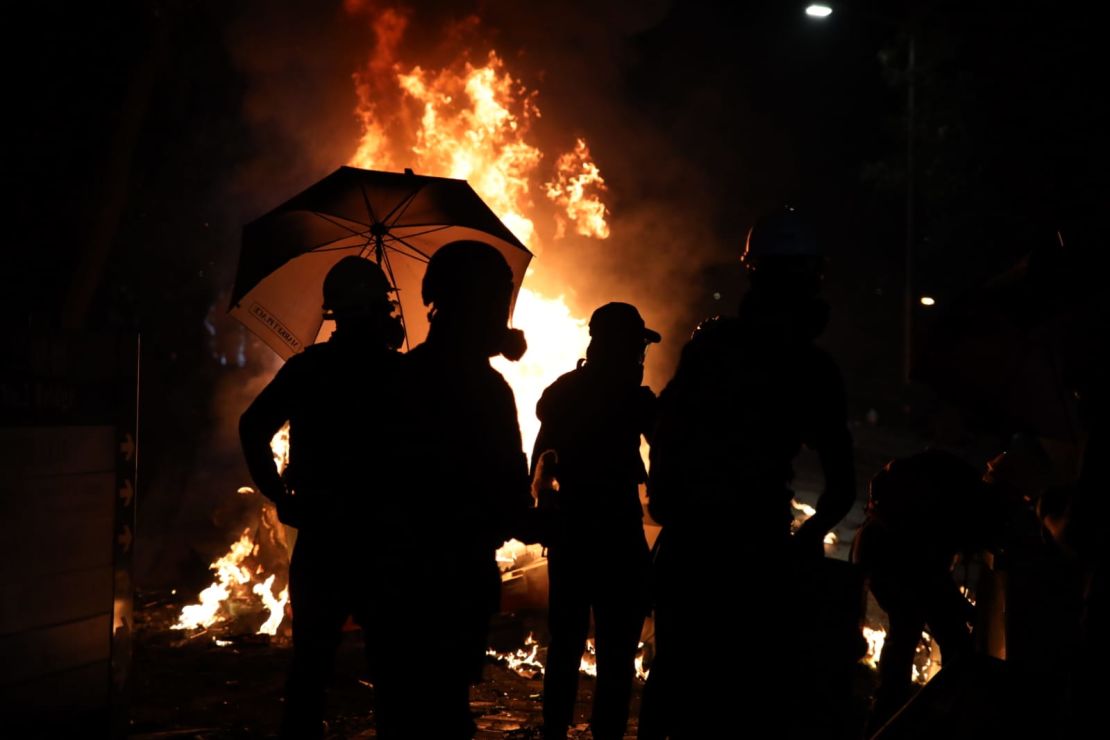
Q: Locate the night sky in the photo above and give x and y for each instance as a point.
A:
(142, 135)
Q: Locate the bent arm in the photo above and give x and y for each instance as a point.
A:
(840, 482)
(830, 438)
(257, 426)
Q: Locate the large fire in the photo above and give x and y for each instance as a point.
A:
(469, 121)
(472, 122)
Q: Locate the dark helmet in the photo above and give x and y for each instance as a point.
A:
(355, 286)
(470, 286)
(782, 254)
(618, 321)
(781, 233)
(466, 271)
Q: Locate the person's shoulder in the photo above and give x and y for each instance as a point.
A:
(311, 357)
(495, 390)
(565, 383)
(492, 378)
(713, 336)
(415, 359)
(811, 365)
(716, 331)
(314, 353)
(560, 394)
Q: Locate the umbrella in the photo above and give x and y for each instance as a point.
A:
(398, 220)
(1013, 350)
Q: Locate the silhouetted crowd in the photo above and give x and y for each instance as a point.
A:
(388, 449)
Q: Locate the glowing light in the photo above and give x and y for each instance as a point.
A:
(803, 507)
(875, 639)
(928, 301)
(557, 340)
(523, 661)
(817, 10)
(514, 554)
(276, 606)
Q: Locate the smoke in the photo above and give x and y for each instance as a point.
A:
(306, 66)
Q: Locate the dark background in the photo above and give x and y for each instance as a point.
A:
(142, 135)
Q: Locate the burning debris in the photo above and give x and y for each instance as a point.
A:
(245, 581)
(527, 661)
(247, 575)
(524, 661)
(875, 638)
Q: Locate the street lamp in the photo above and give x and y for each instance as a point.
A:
(820, 11)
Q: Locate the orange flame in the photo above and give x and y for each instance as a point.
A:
(576, 189)
(523, 661)
(233, 576)
(875, 637)
(473, 122)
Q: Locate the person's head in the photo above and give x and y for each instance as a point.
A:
(469, 287)
(358, 294)
(618, 336)
(782, 255)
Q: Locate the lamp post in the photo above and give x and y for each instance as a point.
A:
(821, 11)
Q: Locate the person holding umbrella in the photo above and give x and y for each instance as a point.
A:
(466, 489)
(338, 463)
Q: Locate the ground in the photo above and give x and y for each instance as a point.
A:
(187, 686)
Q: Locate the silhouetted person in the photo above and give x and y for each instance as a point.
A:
(748, 393)
(1079, 519)
(466, 481)
(922, 511)
(328, 491)
(593, 418)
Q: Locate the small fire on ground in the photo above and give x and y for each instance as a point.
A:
(526, 661)
(247, 575)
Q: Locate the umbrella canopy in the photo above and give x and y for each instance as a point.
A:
(398, 220)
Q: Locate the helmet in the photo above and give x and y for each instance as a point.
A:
(620, 320)
(355, 285)
(470, 287)
(466, 270)
(781, 233)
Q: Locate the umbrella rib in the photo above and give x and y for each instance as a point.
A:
(400, 308)
(432, 230)
(402, 206)
(323, 246)
(318, 250)
(366, 200)
(334, 222)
